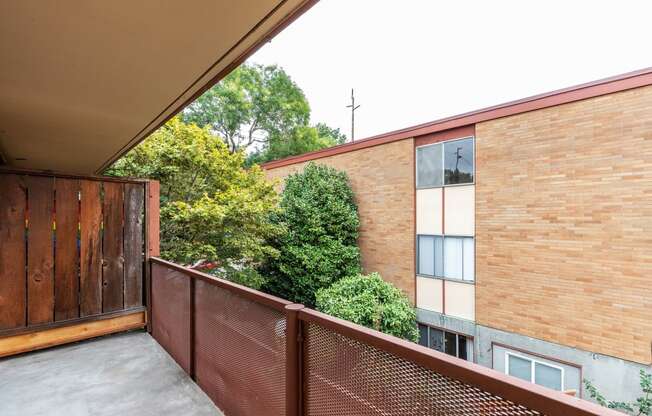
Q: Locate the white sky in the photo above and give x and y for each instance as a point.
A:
(413, 61)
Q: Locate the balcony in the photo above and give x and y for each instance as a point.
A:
(79, 261)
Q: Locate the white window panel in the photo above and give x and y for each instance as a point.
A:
(459, 299)
(459, 210)
(439, 256)
(453, 257)
(469, 260)
(430, 294)
(429, 211)
(548, 376)
(519, 367)
(426, 264)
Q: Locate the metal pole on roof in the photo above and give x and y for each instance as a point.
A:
(353, 107)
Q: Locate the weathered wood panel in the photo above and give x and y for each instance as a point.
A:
(112, 248)
(66, 262)
(133, 245)
(40, 253)
(90, 249)
(12, 253)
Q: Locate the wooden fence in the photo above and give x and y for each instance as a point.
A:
(72, 250)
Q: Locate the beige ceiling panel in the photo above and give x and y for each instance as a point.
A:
(81, 81)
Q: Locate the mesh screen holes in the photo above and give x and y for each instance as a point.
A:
(343, 376)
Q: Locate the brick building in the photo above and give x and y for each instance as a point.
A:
(521, 232)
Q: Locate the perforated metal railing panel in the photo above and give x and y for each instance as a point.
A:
(343, 376)
(171, 313)
(239, 352)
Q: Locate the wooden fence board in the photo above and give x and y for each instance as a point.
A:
(12, 254)
(40, 256)
(66, 261)
(133, 245)
(112, 248)
(90, 249)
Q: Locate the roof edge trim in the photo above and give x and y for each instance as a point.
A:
(579, 92)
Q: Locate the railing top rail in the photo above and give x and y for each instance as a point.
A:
(47, 173)
(251, 294)
(527, 394)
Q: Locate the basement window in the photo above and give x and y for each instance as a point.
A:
(451, 343)
(534, 371)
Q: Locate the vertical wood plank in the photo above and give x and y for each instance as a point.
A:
(66, 264)
(90, 302)
(152, 240)
(133, 245)
(153, 214)
(13, 306)
(40, 259)
(112, 248)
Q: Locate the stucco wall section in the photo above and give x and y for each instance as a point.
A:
(382, 178)
(564, 224)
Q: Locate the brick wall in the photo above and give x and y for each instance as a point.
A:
(382, 178)
(564, 224)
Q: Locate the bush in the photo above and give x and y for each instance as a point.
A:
(319, 245)
(372, 302)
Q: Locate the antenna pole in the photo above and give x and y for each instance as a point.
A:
(353, 107)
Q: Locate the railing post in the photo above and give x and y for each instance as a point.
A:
(293, 360)
(152, 242)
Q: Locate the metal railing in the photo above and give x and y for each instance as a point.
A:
(256, 354)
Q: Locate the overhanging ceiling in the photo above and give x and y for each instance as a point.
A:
(83, 81)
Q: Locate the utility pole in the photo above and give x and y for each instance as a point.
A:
(353, 107)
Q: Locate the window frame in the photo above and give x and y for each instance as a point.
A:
(443, 164)
(533, 367)
(469, 339)
(443, 257)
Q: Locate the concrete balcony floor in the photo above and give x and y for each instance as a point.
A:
(124, 374)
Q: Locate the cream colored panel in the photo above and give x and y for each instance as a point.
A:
(459, 210)
(429, 294)
(429, 212)
(460, 300)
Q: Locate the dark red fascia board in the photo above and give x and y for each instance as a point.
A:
(592, 89)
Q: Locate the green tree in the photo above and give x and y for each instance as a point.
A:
(300, 140)
(212, 208)
(642, 405)
(336, 135)
(251, 104)
(371, 302)
(319, 246)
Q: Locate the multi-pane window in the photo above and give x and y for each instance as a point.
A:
(445, 256)
(448, 163)
(451, 343)
(534, 371)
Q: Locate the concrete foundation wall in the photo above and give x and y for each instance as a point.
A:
(615, 378)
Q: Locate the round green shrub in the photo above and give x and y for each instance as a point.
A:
(371, 302)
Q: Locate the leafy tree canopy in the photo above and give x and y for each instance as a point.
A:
(212, 208)
(251, 104)
(260, 110)
(300, 140)
(319, 246)
(372, 302)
